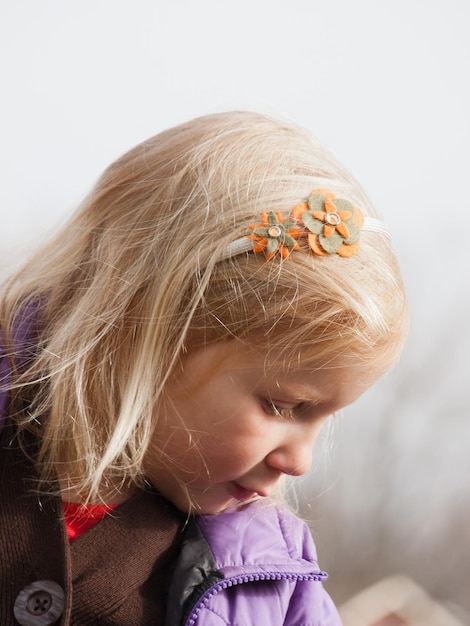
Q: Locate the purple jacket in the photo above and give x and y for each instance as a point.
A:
(253, 566)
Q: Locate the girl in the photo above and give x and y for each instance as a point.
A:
(167, 359)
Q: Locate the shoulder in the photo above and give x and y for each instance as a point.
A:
(255, 565)
(264, 570)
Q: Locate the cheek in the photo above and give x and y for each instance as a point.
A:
(238, 444)
(211, 429)
(192, 449)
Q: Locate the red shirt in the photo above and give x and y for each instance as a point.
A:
(79, 517)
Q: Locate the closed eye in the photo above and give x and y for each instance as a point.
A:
(303, 410)
(275, 410)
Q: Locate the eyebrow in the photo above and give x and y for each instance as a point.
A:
(300, 392)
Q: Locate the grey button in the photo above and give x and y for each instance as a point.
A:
(39, 604)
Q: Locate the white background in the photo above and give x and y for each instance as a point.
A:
(385, 84)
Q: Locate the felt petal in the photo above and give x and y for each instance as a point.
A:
(345, 215)
(343, 229)
(319, 215)
(299, 209)
(348, 251)
(295, 233)
(328, 230)
(315, 245)
(260, 246)
(290, 224)
(287, 240)
(354, 232)
(272, 245)
(324, 192)
(272, 219)
(316, 203)
(261, 231)
(331, 244)
(329, 206)
(344, 205)
(314, 226)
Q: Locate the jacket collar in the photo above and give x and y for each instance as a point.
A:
(238, 545)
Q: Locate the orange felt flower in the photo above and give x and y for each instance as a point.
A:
(275, 236)
(333, 224)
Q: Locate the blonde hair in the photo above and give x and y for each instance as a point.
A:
(135, 280)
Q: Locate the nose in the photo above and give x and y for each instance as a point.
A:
(294, 455)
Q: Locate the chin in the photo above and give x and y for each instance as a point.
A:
(231, 505)
(193, 507)
(212, 508)
(203, 503)
(207, 508)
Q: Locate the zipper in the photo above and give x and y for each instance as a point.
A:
(246, 578)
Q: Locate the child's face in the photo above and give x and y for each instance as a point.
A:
(229, 428)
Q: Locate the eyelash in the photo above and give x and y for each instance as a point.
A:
(277, 411)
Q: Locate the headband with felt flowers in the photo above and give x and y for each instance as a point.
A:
(329, 225)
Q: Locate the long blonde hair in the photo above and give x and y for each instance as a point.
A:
(135, 280)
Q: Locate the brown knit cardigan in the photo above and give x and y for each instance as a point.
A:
(117, 573)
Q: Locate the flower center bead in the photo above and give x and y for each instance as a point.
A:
(332, 218)
(274, 231)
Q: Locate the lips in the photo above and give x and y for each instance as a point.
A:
(242, 494)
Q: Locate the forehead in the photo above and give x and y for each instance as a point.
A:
(235, 355)
(341, 376)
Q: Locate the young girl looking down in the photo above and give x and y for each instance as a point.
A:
(167, 360)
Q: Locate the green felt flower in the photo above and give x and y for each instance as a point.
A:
(275, 236)
(333, 224)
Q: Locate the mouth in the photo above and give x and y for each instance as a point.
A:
(242, 494)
